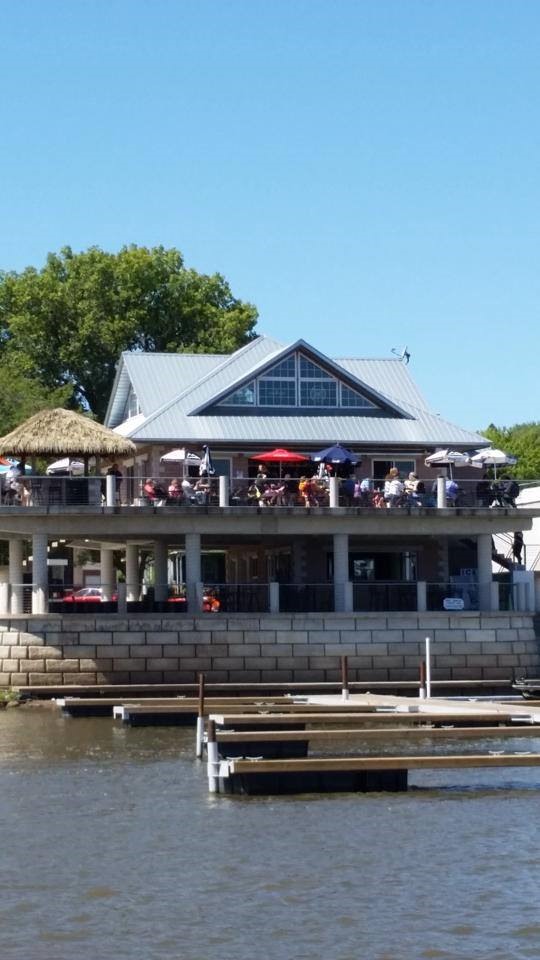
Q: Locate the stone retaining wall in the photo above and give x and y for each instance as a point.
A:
(108, 649)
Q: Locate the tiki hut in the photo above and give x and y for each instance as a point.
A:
(58, 432)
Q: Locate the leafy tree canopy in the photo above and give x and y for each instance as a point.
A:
(66, 324)
(21, 397)
(522, 441)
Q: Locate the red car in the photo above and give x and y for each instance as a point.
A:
(88, 595)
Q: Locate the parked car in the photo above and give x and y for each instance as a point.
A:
(87, 595)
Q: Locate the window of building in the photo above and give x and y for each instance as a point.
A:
(297, 381)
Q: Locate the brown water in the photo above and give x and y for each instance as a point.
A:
(112, 849)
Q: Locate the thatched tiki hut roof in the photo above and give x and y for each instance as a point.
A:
(64, 433)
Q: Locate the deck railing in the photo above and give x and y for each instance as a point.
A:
(58, 493)
(367, 597)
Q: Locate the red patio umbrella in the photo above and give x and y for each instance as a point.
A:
(279, 455)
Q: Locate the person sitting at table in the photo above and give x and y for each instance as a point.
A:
(393, 488)
(452, 492)
(307, 491)
(154, 493)
(268, 495)
(188, 490)
(253, 494)
(202, 490)
(174, 492)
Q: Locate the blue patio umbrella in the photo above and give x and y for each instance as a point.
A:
(7, 464)
(335, 454)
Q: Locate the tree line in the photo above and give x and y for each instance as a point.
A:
(63, 328)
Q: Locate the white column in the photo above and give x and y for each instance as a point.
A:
(110, 490)
(161, 573)
(132, 572)
(223, 491)
(16, 575)
(193, 570)
(441, 492)
(341, 569)
(273, 589)
(483, 548)
(40, 600)
(4, 598)
(334, 492)
(108, 579)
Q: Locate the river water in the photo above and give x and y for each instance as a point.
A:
(112, 849)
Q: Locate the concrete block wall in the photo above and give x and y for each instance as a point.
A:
(107, 649)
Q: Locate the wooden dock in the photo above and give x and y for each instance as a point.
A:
(344, 773)
(267, 752)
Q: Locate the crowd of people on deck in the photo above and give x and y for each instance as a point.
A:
(310, 491)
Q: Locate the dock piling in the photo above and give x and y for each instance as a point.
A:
(213, 758)
(199, 735)
(344, 678)
(428, 668)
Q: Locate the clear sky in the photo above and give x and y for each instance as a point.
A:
(367, 172)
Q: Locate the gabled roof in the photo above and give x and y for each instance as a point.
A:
(178, 394)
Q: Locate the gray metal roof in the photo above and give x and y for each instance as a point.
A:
(170, 386)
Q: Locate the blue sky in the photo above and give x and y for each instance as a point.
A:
(365, 171)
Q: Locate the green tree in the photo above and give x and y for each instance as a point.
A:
(21, 397)
(522, 441)
(67, 323)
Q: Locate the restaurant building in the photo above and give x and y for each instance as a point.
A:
(359, 572)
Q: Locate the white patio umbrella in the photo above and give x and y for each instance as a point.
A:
(65, 466)
(448, 458)
(492, 457)
(181, 455)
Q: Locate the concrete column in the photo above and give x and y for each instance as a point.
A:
(494, 587)
(40, 577)
(483, 549)
(110, 490)
(274, 596)
(16, 575)
(132, 572)
(193, 570)
(441, 493)
(341, 569)
(107, 576)
(161, 573)
(223, 491)
(421, 596)
(4, 599)
(334, 492)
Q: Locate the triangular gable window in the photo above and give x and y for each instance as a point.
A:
(297, 381)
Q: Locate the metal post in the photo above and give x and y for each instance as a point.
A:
(422, 684)
(334, 492)
(199, 736)
(213, 758)
(428, 668)
(344, 678)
